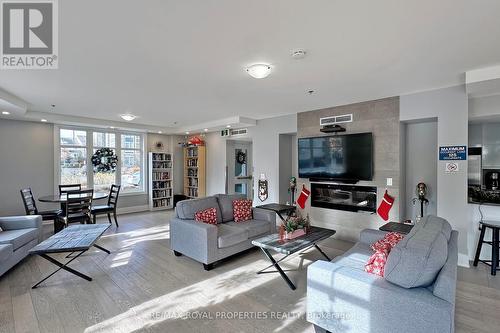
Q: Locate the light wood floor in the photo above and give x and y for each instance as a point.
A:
(142, 286)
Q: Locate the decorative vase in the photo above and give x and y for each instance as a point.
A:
(295, 234)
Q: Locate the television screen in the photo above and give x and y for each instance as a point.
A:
(341, 157)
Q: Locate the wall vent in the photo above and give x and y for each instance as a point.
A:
(239, 132)
(346, 118)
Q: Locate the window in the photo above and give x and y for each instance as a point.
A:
(76, 147)
(131, 164)
(73, 157)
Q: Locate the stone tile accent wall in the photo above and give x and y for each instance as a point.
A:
(381, 117)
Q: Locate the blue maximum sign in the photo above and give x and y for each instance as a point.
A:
(453, 153)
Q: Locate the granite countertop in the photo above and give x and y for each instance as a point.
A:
(486, 197)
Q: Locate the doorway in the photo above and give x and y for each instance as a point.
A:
(239, 168)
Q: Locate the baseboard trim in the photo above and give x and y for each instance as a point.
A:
(463, 260)
(132, 209)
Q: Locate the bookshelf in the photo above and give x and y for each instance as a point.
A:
(160, 181)
(194, 171)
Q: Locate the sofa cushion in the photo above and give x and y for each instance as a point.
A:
(253, 227)
(242, 210)
(208, 215)
(229, 236)
(417, 259)
(355, 257)
(18, 237)
(186, 209)
(5, 251)
(226, 205)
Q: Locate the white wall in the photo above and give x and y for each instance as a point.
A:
(420, 153)
(484, 107)
(450, 107)
(265, 139)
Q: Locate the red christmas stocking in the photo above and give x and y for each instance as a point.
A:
(304, 195)
(385, 206)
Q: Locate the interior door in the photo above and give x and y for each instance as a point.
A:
(239, 168)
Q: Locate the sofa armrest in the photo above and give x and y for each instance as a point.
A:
(194, 239)
(265, 215)
(346, 299)
(370, 236)
(20, 222)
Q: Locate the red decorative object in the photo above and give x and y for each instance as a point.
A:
(385, 206)
(195, 141)
(303, 196)
(388, 242)
(376, 263)
(295, 233)
(208, 215)
(242, 210)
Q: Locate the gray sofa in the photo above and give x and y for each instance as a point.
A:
(416, 294)
(19, 235)
(209, 243)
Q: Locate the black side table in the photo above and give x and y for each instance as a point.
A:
(495, 244)
(279, 209)
(396, 227)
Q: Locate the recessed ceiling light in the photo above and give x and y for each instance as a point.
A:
(5, 113)
(112, 127)
(128, 116)
(310, 92)
(298, 54)
(159, 132)
(187, 133)
(206, 129)
(43, 120)
(228, 126)
(259, 71)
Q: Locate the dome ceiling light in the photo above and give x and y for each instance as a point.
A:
(259, 71)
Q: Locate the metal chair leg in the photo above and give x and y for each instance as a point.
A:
(479, 245)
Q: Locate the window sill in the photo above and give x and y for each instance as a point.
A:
(134, 193)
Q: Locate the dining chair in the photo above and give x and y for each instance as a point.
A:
(110, 207)
(69, 188)
(77, 208)
(31, 208)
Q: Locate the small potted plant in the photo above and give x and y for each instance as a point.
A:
(295, 226)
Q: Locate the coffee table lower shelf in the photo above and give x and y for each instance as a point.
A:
(289, 247)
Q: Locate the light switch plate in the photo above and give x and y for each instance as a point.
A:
(389, 181)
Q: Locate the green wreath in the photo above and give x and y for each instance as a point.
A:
(104, 160)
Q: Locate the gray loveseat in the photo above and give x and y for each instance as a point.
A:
(416, 294)
(19, 235)
(209, 243)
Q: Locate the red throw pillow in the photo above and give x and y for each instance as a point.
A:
(376, 263)
(208, 215)
(242, 210)
(388, 242)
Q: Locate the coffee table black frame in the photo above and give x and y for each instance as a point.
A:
(74, 239)
(289, 247)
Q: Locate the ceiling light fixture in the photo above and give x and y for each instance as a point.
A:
(298, 54)
(159, 132)
(187, 133)
(43, 120)
(5, 113)
(112, 127)
(128, 116)
(259, 71)
(228, 126)
(206, 129)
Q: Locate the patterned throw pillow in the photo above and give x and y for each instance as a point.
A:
(376, 263)
(208, 215)
(242, 210)
(388, 242)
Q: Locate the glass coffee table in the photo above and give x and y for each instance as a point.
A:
(288, 247)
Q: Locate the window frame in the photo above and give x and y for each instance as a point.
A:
(90, 151)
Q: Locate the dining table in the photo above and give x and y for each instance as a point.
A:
(62, 198)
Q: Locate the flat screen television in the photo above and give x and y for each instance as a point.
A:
(339, 157)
